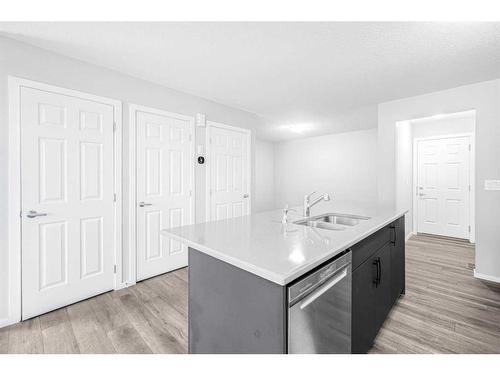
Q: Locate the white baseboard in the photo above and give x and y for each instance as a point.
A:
(126, 284)
(7, 322)
(482, 276)
(409, 235)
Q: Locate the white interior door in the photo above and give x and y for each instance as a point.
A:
(443, 191)
(229, 169)
(164, 189)
(67, 200)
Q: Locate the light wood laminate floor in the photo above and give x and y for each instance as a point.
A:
(445, 310)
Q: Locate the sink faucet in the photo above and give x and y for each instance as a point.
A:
(308, 204)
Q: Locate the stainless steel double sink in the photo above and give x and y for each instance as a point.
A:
(332, 221)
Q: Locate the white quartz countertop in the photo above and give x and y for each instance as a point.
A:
(261, 244)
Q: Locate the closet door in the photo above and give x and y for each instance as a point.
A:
(67, 199)
(229, 169)
(164, 189)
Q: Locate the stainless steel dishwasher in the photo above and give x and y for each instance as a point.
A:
(319, 310)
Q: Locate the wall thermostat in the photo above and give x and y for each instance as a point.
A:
(200, 119)
(201, 160)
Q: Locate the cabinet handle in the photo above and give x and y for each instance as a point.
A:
(376, 281)
(380, 271)
(393, 227)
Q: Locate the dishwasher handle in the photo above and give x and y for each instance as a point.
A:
(323, 289)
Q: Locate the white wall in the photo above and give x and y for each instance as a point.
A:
(264, 177)
(483, 97)
(404, 170)
(25, 61)
(343, 165)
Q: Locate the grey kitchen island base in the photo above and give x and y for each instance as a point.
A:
(234, 311)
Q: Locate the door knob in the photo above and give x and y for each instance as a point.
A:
(421, 194)
(143, 204)
(246, 195)
(32, 214)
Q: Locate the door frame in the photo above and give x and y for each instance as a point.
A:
(471, 209)
(248, 133)
(14, 172)
(132, 179)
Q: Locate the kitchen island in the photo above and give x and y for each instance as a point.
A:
(241, 272)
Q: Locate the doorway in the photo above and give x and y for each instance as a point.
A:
(442, 183)
(228, 172)
(435, 178)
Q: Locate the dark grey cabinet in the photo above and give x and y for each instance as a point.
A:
(377, 283)
(363, 328)
(383, 302)
(398, 259)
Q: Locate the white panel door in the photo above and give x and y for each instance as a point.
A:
(67, 179)
(229, 157)
(164, 190)
(443, 186)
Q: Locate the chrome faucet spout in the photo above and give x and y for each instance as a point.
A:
(308, 204)
(325, 198)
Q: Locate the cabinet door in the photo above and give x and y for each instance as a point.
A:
(383, 302)
(363, 306)
(398, 259)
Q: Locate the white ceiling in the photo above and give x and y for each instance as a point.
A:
(329, 76)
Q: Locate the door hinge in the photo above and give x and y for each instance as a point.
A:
(469, 228)
(469, 188)
(114, 268)
(190, 193)
(114, 197)
(470, 147)
(20, 213)
(114, 126)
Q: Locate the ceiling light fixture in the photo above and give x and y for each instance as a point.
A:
(297, 128)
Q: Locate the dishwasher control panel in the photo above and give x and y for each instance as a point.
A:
(303, 286)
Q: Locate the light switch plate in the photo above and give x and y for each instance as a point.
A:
(491, 184)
